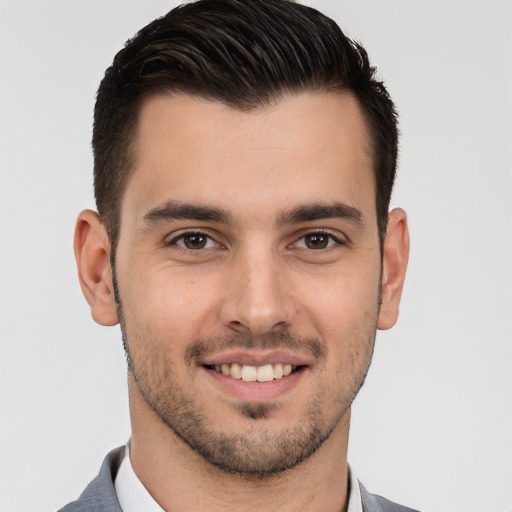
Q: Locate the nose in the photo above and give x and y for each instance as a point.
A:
(258, 298)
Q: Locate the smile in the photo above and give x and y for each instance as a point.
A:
(248, 373)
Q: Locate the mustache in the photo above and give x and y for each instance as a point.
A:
(205, 347)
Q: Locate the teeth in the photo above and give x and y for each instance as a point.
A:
(263, 373)
(236, 371)
(249, 373)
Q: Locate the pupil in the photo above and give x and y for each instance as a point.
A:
(317, 241)
(195, 241)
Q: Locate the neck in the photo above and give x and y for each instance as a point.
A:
(180, 479)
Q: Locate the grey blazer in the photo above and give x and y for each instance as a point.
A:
(100, 494)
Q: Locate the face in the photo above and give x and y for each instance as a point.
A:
(248, 273)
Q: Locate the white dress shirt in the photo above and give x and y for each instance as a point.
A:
(131, 493)
(134, 497)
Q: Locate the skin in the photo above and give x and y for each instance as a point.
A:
(256, 290)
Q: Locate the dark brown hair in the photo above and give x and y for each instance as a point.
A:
(245, 54)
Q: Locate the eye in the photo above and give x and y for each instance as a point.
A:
(317, 240)
(194, 241)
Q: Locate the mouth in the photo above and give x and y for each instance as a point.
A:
(249, 373)
(256, 376)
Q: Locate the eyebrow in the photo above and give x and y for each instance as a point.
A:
(175, 210)
(318, 211)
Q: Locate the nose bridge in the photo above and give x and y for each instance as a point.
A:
(258, 301)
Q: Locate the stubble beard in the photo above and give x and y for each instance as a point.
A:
(256, 451)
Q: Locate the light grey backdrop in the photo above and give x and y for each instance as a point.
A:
(433, 425)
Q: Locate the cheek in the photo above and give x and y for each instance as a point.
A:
(170, 305)
(345, 302)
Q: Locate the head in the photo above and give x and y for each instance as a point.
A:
(245, 55)
(244, 161)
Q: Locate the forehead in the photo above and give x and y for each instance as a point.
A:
(311, 147)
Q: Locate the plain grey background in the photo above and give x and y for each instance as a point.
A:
(432, 427)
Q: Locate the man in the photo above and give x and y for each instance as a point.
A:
(245, 155)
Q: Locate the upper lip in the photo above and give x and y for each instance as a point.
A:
(256, 358)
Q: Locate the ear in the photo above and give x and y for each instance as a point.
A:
(395, 258)
(92, 253)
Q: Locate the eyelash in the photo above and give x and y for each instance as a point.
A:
(323, 233)
(182, 236)
(320, 232)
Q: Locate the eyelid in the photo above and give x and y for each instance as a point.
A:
(336, 238)
(188, 232)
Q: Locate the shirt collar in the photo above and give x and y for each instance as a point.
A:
(131, 493)
(134, 497)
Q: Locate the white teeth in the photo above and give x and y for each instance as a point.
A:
(248, 373)
(278, 371)
(265, 373)
(236, 371)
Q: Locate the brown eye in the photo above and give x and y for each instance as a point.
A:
(317, 241)
(195, 241)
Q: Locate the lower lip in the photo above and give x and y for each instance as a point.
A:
(256, 391)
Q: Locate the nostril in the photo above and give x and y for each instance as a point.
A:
(280, 325)
(237, 326)
(276, 328)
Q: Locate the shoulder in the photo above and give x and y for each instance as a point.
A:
(375, 503)
(100, 494)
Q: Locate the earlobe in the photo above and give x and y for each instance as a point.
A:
(92, 253)
(395, 258)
